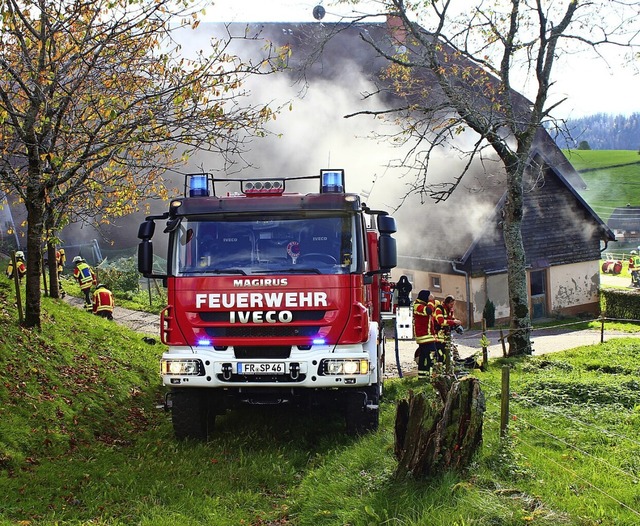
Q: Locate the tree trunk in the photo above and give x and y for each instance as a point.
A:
(35, 231)
(435, 436)
(54, 288)
(520, 324)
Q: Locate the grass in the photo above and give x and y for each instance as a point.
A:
(611, 177)
(81, 443)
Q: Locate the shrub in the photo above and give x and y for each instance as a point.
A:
(120, 276)
(489, 313)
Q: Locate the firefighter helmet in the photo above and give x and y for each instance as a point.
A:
(100, 285)
(19, 254)
(77, 259)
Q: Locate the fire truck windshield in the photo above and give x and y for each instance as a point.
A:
(319, 245)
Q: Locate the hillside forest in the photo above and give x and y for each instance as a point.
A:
(601, 131)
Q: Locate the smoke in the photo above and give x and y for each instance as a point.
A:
(312, 133)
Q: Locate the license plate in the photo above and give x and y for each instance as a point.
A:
(262, 368)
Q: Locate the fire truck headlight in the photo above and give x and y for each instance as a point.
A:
(350, 367)
(182, 367)
(345, 366)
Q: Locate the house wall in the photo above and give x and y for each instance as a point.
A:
(574, 288)
(494, 288)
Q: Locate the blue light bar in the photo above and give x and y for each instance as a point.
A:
(204, 342)
(198, 186)
(319, 341)
(332, 181)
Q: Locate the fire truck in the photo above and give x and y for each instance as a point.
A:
(274, 296)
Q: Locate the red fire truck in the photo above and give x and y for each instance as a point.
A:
(273, 296)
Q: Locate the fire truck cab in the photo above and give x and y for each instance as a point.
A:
(273, 297)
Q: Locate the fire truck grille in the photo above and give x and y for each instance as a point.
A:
(262, 331)
(262, 352)
(282, 378)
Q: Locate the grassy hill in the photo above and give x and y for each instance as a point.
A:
(612, 177)
(81, 443)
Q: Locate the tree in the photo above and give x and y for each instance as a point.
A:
(584, 145)
(458, 75)
(97, 102)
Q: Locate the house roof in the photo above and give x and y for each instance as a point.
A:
(625, 218)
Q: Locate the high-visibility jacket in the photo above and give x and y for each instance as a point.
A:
(85, 275)
(20, 266)
(445, 320)
(61, 259)
(102, 300)
(424, 327)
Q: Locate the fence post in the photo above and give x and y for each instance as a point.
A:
(485, 352)
(16, 282)
(504, 347)
(504, 401)
(601, 328)
(45, 267)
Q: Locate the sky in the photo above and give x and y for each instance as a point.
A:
(589, 85)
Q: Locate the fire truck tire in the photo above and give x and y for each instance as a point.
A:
(190, 414)
(360, 418)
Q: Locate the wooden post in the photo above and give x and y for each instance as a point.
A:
(504, 347)
(504, 401)
(601, 328)
(16, 281)
(45, 267)
(485, 351)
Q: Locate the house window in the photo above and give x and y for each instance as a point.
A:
(436, 284)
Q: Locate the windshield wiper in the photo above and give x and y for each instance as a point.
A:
(217, 271)
(296, 270)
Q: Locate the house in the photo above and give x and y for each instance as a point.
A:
(625, 223)
(563, 240)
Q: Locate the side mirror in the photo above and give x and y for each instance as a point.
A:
(386, 224)
(387, 252)
(147, 229)
(145, 258)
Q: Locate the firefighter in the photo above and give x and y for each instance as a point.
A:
(425, 332)
(103, 302)
(634, 268)
(86, 277)
(21, 266)
(61, 259)
(445, 322)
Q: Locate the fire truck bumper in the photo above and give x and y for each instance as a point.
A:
(343, 366)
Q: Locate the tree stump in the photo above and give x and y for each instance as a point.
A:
(442, 432)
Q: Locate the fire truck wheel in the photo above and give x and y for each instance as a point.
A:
(360, 418)
(190, 414)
